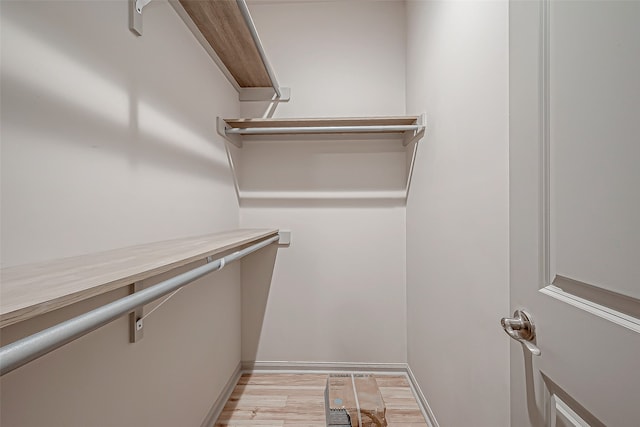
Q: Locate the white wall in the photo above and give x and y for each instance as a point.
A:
(338, 292)
(108, 141)
(457, 212)
(340, 58)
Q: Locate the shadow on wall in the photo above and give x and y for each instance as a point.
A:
(257, 274)
(55, 98)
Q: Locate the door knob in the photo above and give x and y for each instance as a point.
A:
(520, 327)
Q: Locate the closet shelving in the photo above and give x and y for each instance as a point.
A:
(226, 31)
(34, 289)
(410, 127)
(407, 130)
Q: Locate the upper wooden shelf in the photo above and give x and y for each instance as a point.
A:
(223, 26)
(34, 289)
(226, 31)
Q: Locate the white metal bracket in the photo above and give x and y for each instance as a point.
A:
(135, 318)
(285, 237)
(414, 135)
(222, 127)
(266, 94)
(135, 15)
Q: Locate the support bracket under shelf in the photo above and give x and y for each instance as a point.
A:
(222, 127)
(414, 135)
(135, 15)
(135, 317)
(267, 94)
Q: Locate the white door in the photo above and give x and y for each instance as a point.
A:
(575, 211)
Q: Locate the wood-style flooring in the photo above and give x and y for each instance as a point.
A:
(298, 400)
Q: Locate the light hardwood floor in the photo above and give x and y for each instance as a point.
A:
(298, 400)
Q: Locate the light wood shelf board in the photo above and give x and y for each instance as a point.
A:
(222, 25)
(28, 291)
(323, 122)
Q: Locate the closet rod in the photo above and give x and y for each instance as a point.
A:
(244, 9)
(23, 351)
(322, 129)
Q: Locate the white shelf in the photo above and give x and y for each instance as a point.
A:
(411, 128)
(299, 132)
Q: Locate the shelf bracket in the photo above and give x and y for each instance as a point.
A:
(413, 135)
(135, 15)
(267, 94)
(222, 128)
(284, 237)
(135, 317)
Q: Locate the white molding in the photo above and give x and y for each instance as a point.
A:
(286, 366)
(427, 413)
(218, 405)
(601, 311)
(559, 409)
(545, 142)
(398, 195)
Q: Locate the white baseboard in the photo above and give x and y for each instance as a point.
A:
(218, 405)
(278, 366)
(422, 401)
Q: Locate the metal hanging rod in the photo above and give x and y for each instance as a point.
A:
(244, 9)
(23, 351)
(322, 129)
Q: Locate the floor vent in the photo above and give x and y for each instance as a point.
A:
(338, 418)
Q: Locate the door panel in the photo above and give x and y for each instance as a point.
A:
(594, 120)
(574, 211)
(563, 416)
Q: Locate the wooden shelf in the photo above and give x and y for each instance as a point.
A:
(226, 31)
(411, 128)
(222, 25)
(31, 290)
(324, 122)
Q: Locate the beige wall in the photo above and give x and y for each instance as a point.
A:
(108, 141)
(338, 292)
(457, 213)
